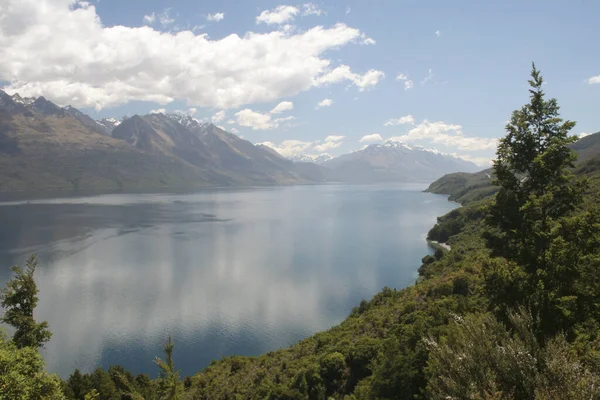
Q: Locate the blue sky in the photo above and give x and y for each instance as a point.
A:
(463, 65)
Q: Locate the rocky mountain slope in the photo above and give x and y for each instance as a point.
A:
(47, 147)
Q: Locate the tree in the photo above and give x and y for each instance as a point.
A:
(538, 193)
(22, 375)
(169, 387)
(19, 299)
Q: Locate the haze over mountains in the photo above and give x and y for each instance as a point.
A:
(44, 146)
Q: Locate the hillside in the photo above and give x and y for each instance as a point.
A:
(464, 188)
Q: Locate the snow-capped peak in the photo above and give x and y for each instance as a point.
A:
(23, 100)
(183, 119)
(396, 144)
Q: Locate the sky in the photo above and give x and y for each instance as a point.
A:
(311, 78)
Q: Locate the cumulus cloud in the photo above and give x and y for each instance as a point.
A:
(218, 117)
(449, 135)
(87, 64)
(159, 111)
(278, 15)
(216, 17)
(594, 80)
(283, 106)
(254, 120)
(344, 73)
(233, 130)
(407, 119)
(408, 84)
(325, 103)
(374, 137)
(330, 142)
(290, 148)
(259, 121)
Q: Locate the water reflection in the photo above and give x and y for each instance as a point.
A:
(223, 272)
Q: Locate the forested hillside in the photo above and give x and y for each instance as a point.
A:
(510, 312)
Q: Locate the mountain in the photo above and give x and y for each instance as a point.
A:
(395, 162)
(88, 121)
(317, 159)
(587, 147)
(44, 147)
(109, 124)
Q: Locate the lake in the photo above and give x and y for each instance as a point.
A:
(223, 272)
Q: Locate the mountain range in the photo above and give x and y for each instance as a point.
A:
(47, 147)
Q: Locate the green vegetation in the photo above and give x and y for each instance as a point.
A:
(19, 299)
(510, 312)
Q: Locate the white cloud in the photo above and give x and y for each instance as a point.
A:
(159, 111)
(407, 119)
(348, 10)
(428, 77)
(234, 130)
(343, 72)
(330, 142)
(254, 120)
(218, 117)
(311, 9)
(374, 137)
(325, 103)
(87, 64)
(594, 80)
(289, 148)
(449, 135)
(583, 134)
(278, 15)
(258, 121)
(216, 17)
(408, 84)
(283, 106)
(192, 111)
(149, 19)
(438, 33)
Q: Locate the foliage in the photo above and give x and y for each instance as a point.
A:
(22, 375)
(19, 299)
(480, 359)
(551, 254)
(169, 387)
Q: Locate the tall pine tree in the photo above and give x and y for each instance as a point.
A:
(532, 215)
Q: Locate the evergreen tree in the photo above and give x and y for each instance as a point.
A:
(169, 387)
(538, 194)
(19, 299)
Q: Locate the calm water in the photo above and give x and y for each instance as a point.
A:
(224, 272)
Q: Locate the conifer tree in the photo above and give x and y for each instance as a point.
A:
(19, 299)
(532, 216)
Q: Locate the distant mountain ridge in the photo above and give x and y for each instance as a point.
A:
(45, 146)
(395, 161)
